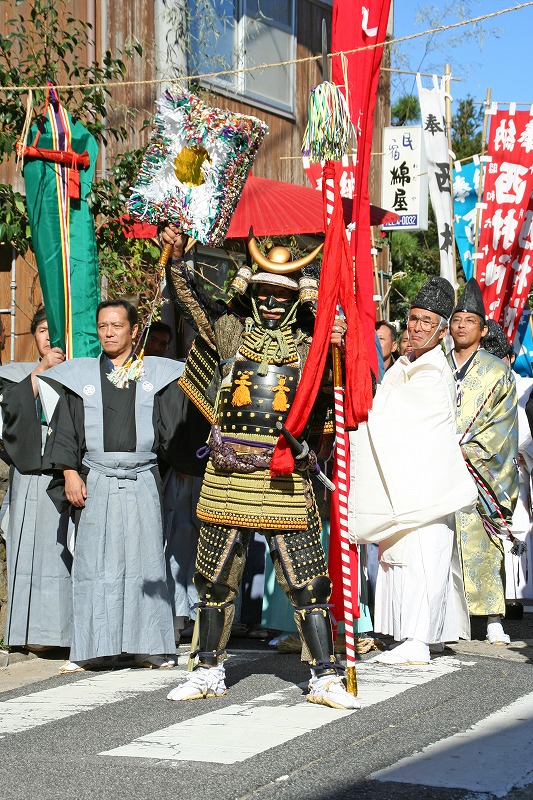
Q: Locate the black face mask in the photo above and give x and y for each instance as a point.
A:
(271, 303)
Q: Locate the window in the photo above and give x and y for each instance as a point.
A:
(239, 34)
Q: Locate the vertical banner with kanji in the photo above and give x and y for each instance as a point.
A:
(404, 181)
(504, 267)
(465, 197)
(433, 112)
(358, 25)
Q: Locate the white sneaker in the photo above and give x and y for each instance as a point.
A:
(203, 682)
(496, 634)
(329, 690)
(154, 662)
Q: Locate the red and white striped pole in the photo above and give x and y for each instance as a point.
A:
(341, 495)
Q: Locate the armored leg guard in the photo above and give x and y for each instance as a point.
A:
(314, 624)
(215, 616)
(220, 563)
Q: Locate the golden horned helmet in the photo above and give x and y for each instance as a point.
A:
(279, 258)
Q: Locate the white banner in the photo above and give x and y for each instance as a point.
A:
(433, 112)
(404, 181)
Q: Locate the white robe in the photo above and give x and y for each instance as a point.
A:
(408, 477)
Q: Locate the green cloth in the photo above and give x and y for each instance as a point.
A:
(44, 217)
(491, 447)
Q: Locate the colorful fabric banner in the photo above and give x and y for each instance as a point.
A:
(465, 197)
(62, 228)
(433, 112)
(358, 24)
(503, 268)
(195, 166)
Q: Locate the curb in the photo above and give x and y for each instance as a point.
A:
(7, 659)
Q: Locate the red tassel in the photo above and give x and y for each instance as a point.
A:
(74, 184)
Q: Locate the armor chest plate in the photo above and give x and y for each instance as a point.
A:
(251, 404)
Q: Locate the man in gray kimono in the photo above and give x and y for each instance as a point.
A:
(105, 441)
(39, 606)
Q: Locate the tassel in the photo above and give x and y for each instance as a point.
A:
(119, 377)
(73, 184)
(328, 131)
(241, 395)
(280, 397)
(129, 371)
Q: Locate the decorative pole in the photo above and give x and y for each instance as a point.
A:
(341, 458)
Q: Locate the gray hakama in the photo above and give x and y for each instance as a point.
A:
(39, 605)
(121, 601)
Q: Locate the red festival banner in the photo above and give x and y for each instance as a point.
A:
(503, 268)
(358, 24)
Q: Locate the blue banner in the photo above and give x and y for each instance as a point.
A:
(523, 345)
(465, 189)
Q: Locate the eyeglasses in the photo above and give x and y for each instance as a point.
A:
(425, 324)
(470, 321)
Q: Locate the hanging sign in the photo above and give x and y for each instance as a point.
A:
(404, 181)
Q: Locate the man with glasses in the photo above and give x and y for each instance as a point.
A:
(408, 479)
(486, 410)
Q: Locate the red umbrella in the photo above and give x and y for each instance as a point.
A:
(275, 208)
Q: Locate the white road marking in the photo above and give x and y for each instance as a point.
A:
(239, 732)
(50, 705)
(378, 682)
(234, 733)
(491, 756)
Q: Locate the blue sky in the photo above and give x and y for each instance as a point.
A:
(501, 60)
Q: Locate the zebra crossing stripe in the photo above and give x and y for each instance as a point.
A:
(491, 756)
(39, 708)
(239, 732)
(235, 733)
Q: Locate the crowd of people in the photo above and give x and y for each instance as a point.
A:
(132, 504)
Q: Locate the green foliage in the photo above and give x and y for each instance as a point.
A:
(467, 126)
(406, 110)
(14, 225)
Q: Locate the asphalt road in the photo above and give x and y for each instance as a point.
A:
(114, 734)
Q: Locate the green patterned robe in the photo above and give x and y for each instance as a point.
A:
(491, 446)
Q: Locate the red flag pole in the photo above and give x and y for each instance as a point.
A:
(341, 495)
